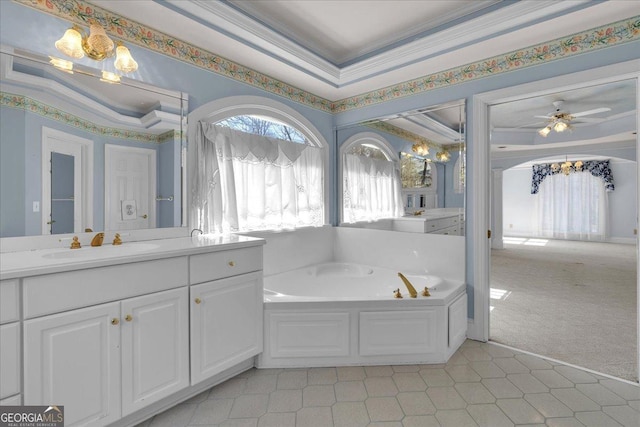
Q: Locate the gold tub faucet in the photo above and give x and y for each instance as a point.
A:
(97, 240)
(410, 288)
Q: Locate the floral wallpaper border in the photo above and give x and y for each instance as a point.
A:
(21, 102)
(82, 12)
(403, 134)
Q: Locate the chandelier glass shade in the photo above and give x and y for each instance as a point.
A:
(567, 167)
(97, 45)
(443, 156)
(420, 148)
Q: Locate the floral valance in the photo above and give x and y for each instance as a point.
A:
(597, 168)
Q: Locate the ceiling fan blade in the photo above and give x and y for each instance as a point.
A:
(543, 117)
(589, 112)
(588, 120)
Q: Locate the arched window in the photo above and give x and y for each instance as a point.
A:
(256, 164)
(370, 177)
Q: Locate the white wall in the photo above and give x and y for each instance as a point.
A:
(519, 203)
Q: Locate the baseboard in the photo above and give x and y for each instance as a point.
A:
(622, 240)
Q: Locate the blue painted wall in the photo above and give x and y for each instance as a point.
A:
(12, 178)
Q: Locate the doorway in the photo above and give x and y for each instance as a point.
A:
(481, 197)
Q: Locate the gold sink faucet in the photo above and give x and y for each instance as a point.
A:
(410, 288)
(97, 240)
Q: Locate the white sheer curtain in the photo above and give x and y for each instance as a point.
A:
(371, 189)
(250, 182)
(572, 207)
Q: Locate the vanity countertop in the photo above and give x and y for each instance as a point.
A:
(47, 261)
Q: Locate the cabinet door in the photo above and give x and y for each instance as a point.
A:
(226, 324)
(155, 347)
(9, 359)
(73, 359)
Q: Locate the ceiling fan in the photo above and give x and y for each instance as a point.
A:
(561, 120)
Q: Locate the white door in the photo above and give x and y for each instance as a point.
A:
(129, 187)
(73, 359)
(155, 347)
(226, 324)
(67, 182)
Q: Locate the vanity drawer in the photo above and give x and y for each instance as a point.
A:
(217, 265)
(54, 293)
(9, 309)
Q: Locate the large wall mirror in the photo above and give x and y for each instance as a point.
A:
(81, 152)
(405, 172)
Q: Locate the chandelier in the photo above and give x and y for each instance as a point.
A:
(567, 167)
(558, 122)
(97, 45)
(420, 148)
(443, 156)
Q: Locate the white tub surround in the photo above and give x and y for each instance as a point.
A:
(119, 333)
(331, 302)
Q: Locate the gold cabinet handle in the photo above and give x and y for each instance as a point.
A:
(115, 321)
(231, 263)
(128, 318)
(197, 300)
(144, 216)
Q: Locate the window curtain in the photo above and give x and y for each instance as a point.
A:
(597, 168)
(572, 207)
(248, 182)
(371, 189)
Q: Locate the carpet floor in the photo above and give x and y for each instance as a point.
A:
(572, 301)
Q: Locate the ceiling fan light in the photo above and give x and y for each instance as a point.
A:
(71, 44)
(560, 126)
(124, 60)
(544, 131)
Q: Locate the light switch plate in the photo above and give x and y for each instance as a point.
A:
(36, 206)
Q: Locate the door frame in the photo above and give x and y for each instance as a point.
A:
(480, 197)
(151, 154)
(53, 140)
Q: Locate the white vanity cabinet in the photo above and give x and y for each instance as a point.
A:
(10, 354)
(226, 312)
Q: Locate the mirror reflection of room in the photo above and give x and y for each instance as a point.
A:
(405, 172)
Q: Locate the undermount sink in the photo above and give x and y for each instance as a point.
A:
(101, 251)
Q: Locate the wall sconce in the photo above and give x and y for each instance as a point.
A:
(96, 45)
(420, 148)
(443, 156)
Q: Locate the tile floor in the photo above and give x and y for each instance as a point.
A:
(483, 384)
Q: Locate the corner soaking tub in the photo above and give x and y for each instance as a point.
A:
(341, 313)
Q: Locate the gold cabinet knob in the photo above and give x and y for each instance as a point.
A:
(231, 263)
(197, 300)
(144, 216)
(128, 318)
(115, 321)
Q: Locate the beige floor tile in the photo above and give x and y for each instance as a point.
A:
(290, 380)
(502, 388)
(179, 415)
(575, 400)
(596, 419)
(277, 420)
(474, 393)
(510, 365)
(285, 401)
(625, 415)
(475, 354)
(520, 411)
(318, 395)
(489, 415)
(436, 377)
(600, 394)
(548, 405)
(416, 403)
(406, 368)
(241, 422)
(533, 362)
(212, 411)
(321, 376)
(350, 414)
(462, 373)
(350, 391)
(455, 418)
(200, 397)
(249, 406)
(314, 417)
(458, 359)
(420, 421)
(229, 389)
(574, 375)
(378, 371)
(564, 422)
(624, 390)
(635, 404)
(499, 351)
(409, 381)
(385, 424)
(384, 409)
(552, 379)
(487, 369)
(380, 387)
(261, 384)
(527, 383)
(446, 398)
(351, 373)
